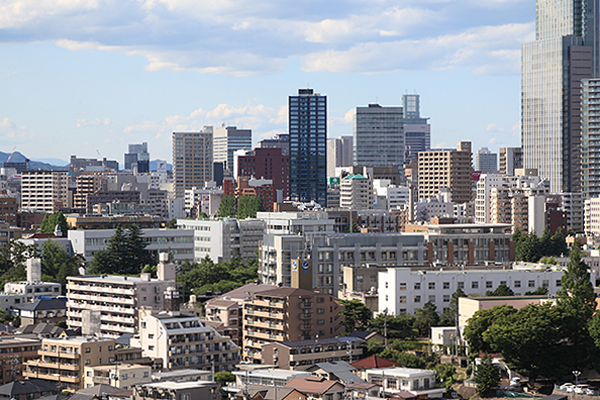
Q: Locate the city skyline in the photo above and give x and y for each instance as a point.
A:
(87, 78)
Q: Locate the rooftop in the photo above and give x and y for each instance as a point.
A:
(51, 304)
(177, 385)
(308, 343)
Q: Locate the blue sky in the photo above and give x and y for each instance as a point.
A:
(90, 76)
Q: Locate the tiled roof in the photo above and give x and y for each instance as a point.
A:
(311, 384)
(375, 362)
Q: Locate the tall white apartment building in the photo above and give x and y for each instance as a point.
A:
(220, 239)
(192, 159)
(228, 139)
(120, 300)
(44, 190)
(402, 290)
(356, 192)
(390, 197)
(182, 341)
(208, 198)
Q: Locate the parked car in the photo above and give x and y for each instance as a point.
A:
(515, 381)
(565, 386)
(581, 389)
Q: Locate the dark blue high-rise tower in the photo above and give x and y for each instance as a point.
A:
(307, 124)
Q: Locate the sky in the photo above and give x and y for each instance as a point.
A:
(87, 77)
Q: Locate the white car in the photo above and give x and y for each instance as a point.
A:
(581, 389)
(565, 386)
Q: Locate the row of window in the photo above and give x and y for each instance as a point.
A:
(474, 284)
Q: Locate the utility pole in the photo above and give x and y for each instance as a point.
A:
(385, 313)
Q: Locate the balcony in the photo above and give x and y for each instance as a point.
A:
(56, 353)
(60, 366)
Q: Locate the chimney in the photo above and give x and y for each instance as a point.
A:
(165, 270)
(34, 270)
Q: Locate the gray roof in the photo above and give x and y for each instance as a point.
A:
(341, 369)
(50, 304)
(40, 329)
(241, 293)
(27, 386)
(91, 392)
(181, 373)
(307, 343)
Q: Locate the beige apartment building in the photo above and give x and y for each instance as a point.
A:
(356, 192)
(63, 360)
(15, 351)
(119, 299)
(228, 313)
(123, 376)
(44, 190)
(87, 183)
(192, 159)
(442, 168)
(288, 314)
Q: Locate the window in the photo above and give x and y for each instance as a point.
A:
(489, 284)
(143, 325)
(320, 311)
(432, 298)
(558, 283)
(417, 299)
(431, 285)
(503, 283)
(320, 299)
(145, 374)
(446, 285)
(386, 285)
(402, 299)
(531, 283)
(474, 285)
(151, 348)
(89, 373)
(460, 285)
(151, 336)
(417, 285)
(402, 286)
(88, 361)
(87, 350)
(446, 298)
(124, 377)
(517, 283)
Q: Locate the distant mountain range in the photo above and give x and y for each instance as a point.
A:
(54, 163)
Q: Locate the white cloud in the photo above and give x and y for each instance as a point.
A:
(81, 123)
(13, 133)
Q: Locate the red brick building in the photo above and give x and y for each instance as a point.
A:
(267, 163)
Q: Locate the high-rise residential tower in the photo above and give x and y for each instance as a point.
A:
(564, 52)
(192, 159)
(511, 158)
(378, 136)
(339, 153)
(486, 162)
(590, 138)
(228, 139)
(308, 151)
(417, 131)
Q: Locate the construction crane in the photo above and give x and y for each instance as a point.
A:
(11, 154)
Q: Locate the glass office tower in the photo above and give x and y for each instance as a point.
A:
(552, 68)
(308, 150)
(378, 136)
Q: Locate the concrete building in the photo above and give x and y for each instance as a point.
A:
(552, 68)
(228, 314)
(356, 192)
(402, 290)
(331, 252)
(63, 360)
(122, 375)
(177, 390)
(206, 200)
(339, 153)
(288, 314)
(417, 131)
(228, 139)
(50, 311)
(120, 300)
(8, 210)
(511, 158)
(390, 197)
(439, 168)
(182, 341)
(44, 190)
(590, 138)
(297, 355)
(486, 162)
(279, 141)
(420, 383)
(178, 242)
(220, 239)
(468, 306)
(192, 159)
(378, 136)
(15, 352)
(308, 151)
(138, 158)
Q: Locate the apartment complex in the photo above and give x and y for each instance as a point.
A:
(87, 184)
(15, 351)
(486, 162)
(120, 375)
(590, 138)
(288, 314)
(378, 136)
(511, 158)
(220, 239)
(451, 169)
(182, 341)
(356, 192)
(44, 190)
(118, 299)
(192, 159)
(8, 210)
(308, 152)
(63, 360)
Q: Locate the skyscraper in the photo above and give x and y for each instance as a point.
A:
(339, 153)
(564, 52)
(192, 159)
(417, 131)
(308, 153)
(378, 136)
(228, 139)
(486, 162)
(138, 157)
(590, 138)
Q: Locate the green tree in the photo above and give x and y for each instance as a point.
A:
(487, 376)
(542, 290)
(528, 248)
(479, 324)
(62, 324)
(425, 318)
(446, 374)
(57, 264)
(172, 224)
(13, 258)
(356, 315)
(577, 291)
(407, 360)
(125, 254)
(224, 376)
(51, 220)
(398, 326)
(450, 315)
(248, 206)
(558, 244)
(227, 207)
(548, 260)
(546, 242)
(501, 291)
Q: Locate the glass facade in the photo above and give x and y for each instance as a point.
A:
(308, 150)
(378, 136)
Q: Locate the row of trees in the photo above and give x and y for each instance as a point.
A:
(245, 207)
(548, 340)
(531, 248)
